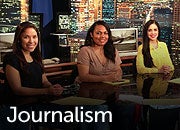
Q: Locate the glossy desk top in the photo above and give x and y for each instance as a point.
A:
(147, 89)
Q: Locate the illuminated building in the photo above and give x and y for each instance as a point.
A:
(108, 11)
(176, 33)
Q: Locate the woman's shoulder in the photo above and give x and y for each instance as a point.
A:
(10, 56)
(162, 44)
(11, 59)
(140, 47)
(86, 49)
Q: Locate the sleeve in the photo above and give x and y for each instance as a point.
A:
(140, 63)
(83, 56)
(117, 58)
(168, 60)
(12, 60)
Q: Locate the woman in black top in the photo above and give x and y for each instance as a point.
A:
(23, 68)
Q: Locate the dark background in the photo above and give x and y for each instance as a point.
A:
(49, 43)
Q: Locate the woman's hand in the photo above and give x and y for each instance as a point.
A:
(114, 77)
(165, 69)
(56, 90)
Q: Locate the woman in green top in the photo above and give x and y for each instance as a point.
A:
(153, 55)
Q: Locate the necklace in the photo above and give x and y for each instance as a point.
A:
(155, 45)
(29, 59)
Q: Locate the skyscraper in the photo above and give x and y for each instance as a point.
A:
(176, 33)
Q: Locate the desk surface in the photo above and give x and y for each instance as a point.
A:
(153, 88)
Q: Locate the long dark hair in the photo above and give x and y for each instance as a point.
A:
(148, 62)
(17, 45)
(109, 49)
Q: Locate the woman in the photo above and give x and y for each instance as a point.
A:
(98, 60)
(153, 55)
(23, 67)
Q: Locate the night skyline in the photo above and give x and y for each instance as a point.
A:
(117, 13)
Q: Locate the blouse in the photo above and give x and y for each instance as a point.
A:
(87, 56)
(33, 77)
(160, 57)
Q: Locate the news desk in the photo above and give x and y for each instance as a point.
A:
(150, 95)
(153, 88)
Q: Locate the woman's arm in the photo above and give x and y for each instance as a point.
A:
(45, 81)
(168, 58)
(54, 89)
(14, 80)
(86, 77)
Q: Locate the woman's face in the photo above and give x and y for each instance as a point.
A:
(153, 32)
(29, 40)
(100, 35)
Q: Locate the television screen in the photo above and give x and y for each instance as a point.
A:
(63, 23)
(36, 18)
(125, 39)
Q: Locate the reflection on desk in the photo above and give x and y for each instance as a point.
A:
(156, 90)
(148, 86)
(98, 91)
(152, 85)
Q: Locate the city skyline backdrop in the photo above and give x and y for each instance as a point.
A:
(117, 13)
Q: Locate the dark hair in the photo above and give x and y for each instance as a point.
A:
(17, 46)
(109, 49)
(146, 49)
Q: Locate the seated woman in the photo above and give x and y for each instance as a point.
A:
(153, 55)
(153, 59)
(98, 60)
(23, 67)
